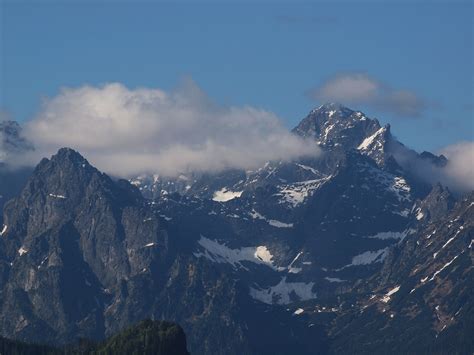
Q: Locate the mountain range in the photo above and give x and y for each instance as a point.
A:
(349, 252)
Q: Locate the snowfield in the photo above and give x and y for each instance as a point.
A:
(224, 195)
(220, 253)
(283, 291)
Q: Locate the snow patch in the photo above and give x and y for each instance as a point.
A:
(220, 253)
(224, 195)
(450, 240)
(440, 270)
(295, 194)
(263, 254)
(334, 279)
(22, 251)
(365, 145)
(400, 188)
(298, 311)
(273, 222)
(393, 290)
(284, 292)
(308, 168)
(294, 270)
(291, 268)
(431, 234)
(386, 298)
(4, 230)
(279, 224)
(447, 243)
(368, 257)
(58, 196)
(255, 215)
(419, 214)
(389, 235)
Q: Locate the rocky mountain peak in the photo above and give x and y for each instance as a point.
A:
(66, 172)
(80, 236)
(438, 160)
(66, 161)
(333, 124)
(69, 154)
(333, 108)
(63, 186)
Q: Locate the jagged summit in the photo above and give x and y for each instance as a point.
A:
(65, 184)
(333, 107)
(438, 160)
(69, 153)
(71, 156)
(333, 124)
(67, 167)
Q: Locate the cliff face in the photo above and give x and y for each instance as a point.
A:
(420, 301)
(72, 241)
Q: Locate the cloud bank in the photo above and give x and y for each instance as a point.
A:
(132, 131)
(361, 89)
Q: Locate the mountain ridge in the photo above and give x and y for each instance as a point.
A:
(302, 242)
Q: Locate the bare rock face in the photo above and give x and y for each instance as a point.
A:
(436, 205)
(421, 300)
(72, 237)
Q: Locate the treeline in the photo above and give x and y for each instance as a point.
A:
(147, 337)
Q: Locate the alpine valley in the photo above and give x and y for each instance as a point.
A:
(349, 252)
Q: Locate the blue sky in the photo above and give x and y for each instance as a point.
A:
(271, 55)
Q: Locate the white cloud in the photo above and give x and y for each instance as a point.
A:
(348, 88)
(130, 131)
(361, 89)
(457, 173)
(460, 168)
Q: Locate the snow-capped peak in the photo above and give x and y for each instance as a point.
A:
(332, 109)
(333, 124)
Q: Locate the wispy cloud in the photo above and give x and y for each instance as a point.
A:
(460, 168)
(457, 174)
(130, 131)
(362, 89)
